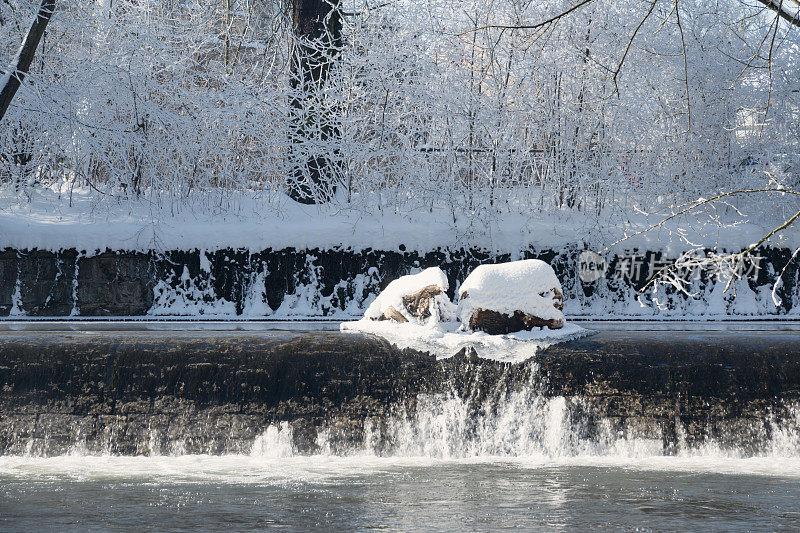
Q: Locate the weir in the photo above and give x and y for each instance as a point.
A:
(149, 392)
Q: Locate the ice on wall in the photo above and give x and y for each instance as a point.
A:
(190, 297)
(347, 299)
(255, 301)
(307, 289)
(16, 300)
(525, 286)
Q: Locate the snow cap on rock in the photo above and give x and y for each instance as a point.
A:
(392, 295)
(508, 287)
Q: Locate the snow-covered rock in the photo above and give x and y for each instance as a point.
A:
(526, 288)
(509, 297)
(417, 298)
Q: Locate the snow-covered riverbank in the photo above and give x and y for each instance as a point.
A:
(64, 217)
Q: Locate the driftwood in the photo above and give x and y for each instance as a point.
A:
(393, 314)
(417, 304)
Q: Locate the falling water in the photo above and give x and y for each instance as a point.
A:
(523, 423)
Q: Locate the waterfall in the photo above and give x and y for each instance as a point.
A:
(521, 422)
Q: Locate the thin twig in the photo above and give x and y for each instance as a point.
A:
(538, 25)
(694, 204)
(769, 71)
(630, 42)
(685, 69)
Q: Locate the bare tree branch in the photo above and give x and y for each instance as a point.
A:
(694, 204)
(685, 68)
(630, 42)
(669, 272)
(777, 7)
(17, 70)
(536, 26)
(769, 69)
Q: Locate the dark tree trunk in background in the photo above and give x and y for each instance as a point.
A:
(318, 27)
(23, 61)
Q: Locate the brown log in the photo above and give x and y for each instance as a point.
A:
(393, 314)
(419, 303)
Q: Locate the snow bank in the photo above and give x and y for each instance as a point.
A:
(525, 286)
(445, 339)
(77, 217)
(392, 295)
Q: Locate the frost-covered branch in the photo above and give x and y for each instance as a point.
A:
(694, 260)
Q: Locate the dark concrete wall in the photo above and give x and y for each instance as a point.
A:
(122, 283)
(732, 387)
(215, 394)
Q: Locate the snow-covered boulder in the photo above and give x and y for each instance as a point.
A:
(417, 298)
(508, 297)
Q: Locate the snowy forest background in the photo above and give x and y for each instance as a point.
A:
(412, 132)
(159, 108)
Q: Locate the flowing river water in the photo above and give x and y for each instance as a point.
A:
(522, 464)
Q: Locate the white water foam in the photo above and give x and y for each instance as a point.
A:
(274, 443)
(444, 430)
(260, 470)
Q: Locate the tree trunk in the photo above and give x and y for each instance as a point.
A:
(317, 26)
(20, 66)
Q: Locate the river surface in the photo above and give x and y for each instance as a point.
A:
(628, 486)
(191, 493)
